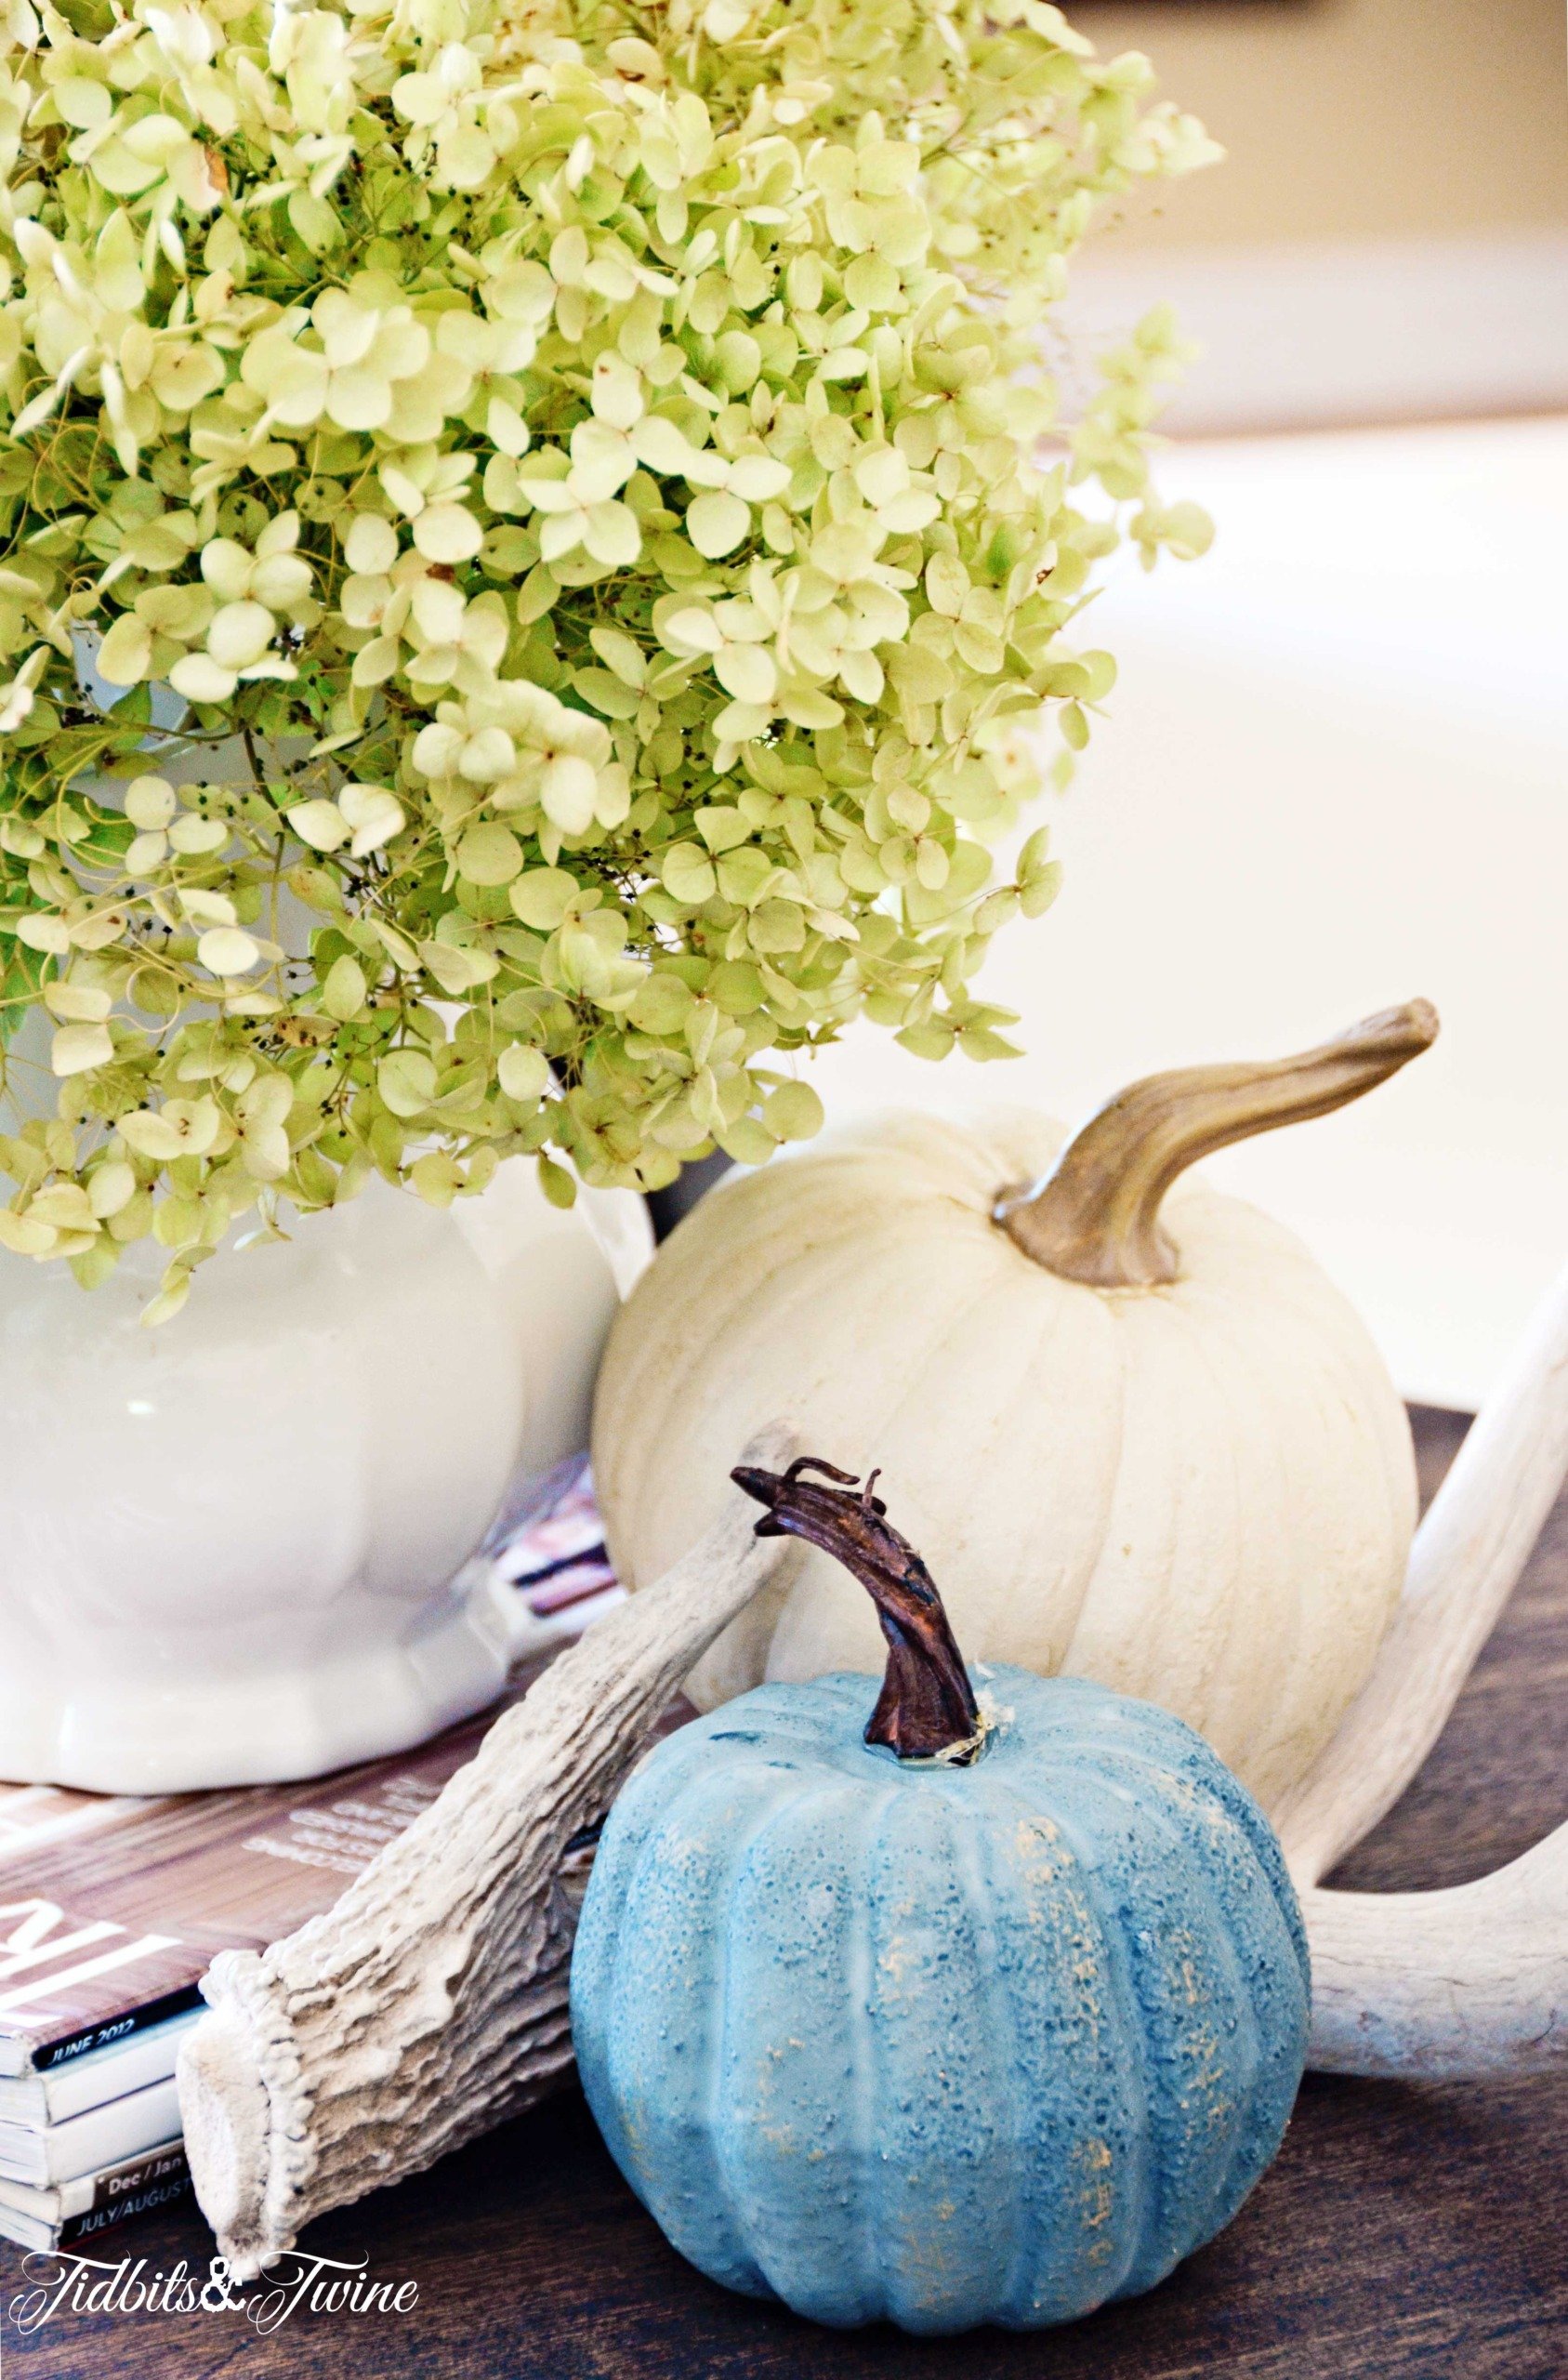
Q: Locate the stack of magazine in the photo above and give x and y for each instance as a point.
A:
(111, 1908)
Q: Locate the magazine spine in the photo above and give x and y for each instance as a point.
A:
(160, 2189)
(47, 2054)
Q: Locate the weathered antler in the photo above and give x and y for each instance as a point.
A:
(431, 2001)
(1470, 1981)
(1465, 1564)
(1473, 1978)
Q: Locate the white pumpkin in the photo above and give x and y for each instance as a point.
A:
(1167, 1458)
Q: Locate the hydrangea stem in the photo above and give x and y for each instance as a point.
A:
(926, 1709)
(1095, 1216)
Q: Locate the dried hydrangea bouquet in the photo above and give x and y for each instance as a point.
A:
(586, 483)
(537, 542)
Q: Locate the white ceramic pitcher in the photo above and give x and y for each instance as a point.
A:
(237, 1548)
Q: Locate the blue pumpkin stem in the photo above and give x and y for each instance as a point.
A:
(926, 1709)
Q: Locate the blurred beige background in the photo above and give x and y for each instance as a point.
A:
(1357, 119)
(1334, 773)
(1401, 166)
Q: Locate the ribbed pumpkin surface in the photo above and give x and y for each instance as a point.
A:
(1201, 1494)
(943, 2047)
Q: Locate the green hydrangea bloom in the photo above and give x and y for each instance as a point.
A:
(538, 537)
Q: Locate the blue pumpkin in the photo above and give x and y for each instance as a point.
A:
(898, 2038)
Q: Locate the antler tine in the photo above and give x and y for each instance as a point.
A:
(1446, 1985)
(1465, 1564)
(431, 2000)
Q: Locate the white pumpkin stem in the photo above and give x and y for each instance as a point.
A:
(1095, 1216)
(431, 2001)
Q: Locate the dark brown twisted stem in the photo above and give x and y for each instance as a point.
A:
(926, 1709)
(1096, 1215)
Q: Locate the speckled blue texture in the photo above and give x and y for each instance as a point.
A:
(939, 2046)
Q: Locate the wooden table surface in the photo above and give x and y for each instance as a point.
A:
(1403, 2234)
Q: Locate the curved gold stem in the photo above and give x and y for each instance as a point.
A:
(1096, 1215)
